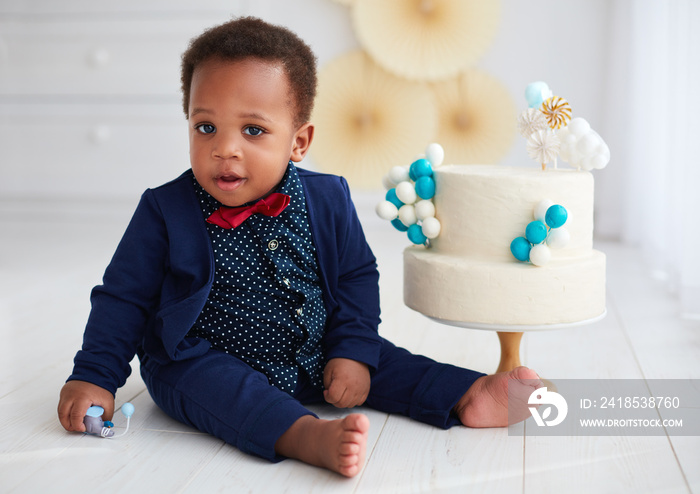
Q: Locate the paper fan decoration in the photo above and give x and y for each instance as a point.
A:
(367, 119)
(543, 146)
(531, 120)
(476, 118)
(426, 39)
(557, 111)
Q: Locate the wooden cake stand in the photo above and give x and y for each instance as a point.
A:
(510, 336)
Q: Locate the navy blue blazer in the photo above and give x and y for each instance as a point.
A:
(162, 271)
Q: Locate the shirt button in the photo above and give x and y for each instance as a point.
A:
(285, 281)
(273, 244)
(299, 311)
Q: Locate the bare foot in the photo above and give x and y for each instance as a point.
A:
(485, 404)
(338, 445)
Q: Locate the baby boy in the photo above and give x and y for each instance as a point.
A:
(246, 287)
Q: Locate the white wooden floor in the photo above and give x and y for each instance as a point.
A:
(48, 267)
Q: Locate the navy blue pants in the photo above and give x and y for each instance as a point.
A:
(223, 396)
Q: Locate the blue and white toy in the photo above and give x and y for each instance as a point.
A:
(408, 203)
(96, 426)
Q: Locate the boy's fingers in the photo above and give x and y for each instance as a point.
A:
(109, 411)
(334, 394)
(64, 416)
(77, 414)
(327, 380)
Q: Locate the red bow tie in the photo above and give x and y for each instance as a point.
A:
(271, 205)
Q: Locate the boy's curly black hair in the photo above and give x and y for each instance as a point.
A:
(249, 37)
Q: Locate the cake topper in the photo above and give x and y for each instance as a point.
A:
(543, 146)
(408, 203)
(536, 93)
(582, 147)
(557, 111)
(551, 132)
(531, 121)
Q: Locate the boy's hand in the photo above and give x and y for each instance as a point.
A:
(346, 382)
(76, 397)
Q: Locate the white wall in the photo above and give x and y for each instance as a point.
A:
(89, 101)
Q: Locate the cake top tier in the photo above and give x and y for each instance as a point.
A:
(482, 208)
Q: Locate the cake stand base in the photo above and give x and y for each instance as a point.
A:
(510, 351)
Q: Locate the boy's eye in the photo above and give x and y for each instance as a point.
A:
(206, 128)
(253, 131)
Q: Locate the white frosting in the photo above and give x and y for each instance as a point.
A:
(469, 274)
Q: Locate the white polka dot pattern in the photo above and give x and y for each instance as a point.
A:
(266, 306)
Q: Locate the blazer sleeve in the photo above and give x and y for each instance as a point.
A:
(353, 279)
(123, 305)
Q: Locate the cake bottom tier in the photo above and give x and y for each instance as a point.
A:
(504, 293)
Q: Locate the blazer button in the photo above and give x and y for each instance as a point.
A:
(273, 244)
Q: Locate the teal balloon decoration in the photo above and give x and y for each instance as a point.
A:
(425, 187)
(536, 232)
(392, 198)
(398, 225)
(415, 234)
(420, 168)
(556, 216)
(520, 248)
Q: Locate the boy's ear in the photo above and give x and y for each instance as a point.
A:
(302, 141)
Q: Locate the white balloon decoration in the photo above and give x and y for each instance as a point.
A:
(407, 215)
(387, 182)
(435, 154)
(541, 209)
(558, 238)
(387, 210)
(398, 174)
(406, 192)
(431, 227)
(540, 255)
(424, 209)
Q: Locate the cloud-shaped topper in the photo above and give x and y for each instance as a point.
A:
(582, 147)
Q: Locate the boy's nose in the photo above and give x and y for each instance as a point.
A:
(227, 146)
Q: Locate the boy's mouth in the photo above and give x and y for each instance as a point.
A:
(229, 182)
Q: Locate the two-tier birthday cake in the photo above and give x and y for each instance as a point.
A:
(500, 246)
(469, 273)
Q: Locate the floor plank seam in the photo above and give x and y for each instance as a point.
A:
(524, 443)
(196, 474)
(621, 324)
(194, 433)
(678, 461)
(625, 332)
(368, 457)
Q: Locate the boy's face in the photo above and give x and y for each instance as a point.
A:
(241, 128)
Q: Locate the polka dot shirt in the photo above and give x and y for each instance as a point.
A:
(265, 306)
